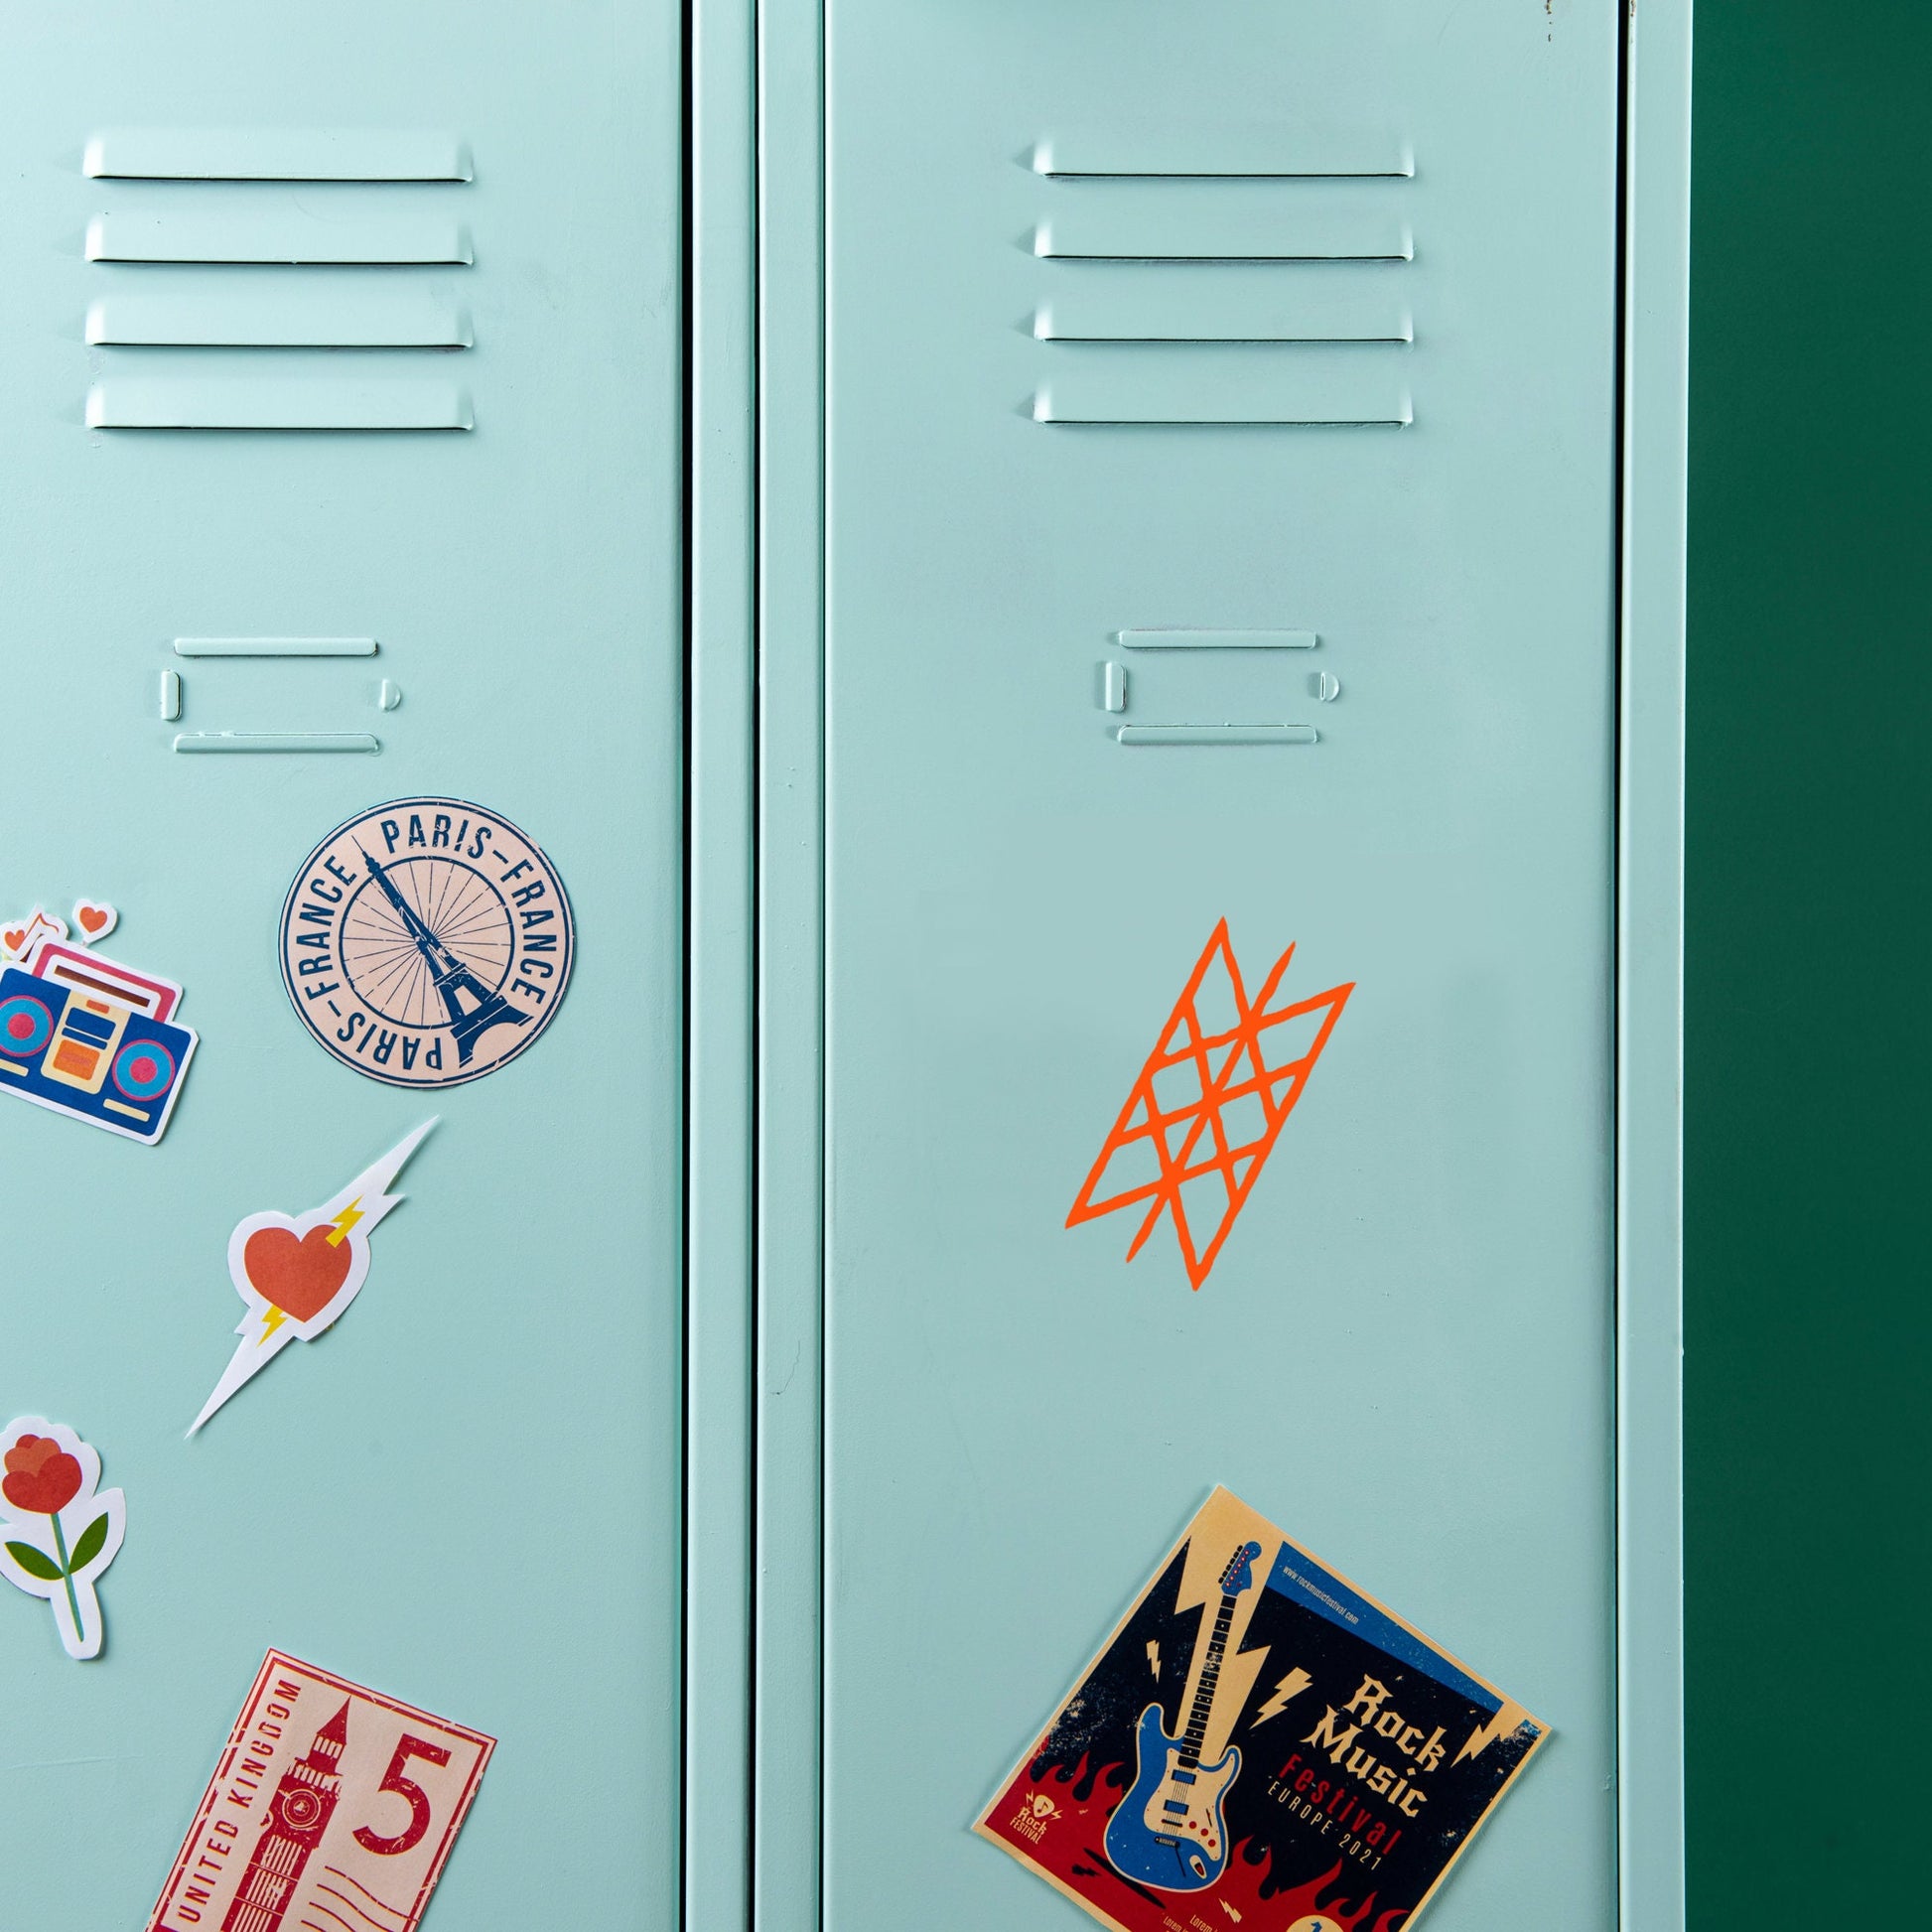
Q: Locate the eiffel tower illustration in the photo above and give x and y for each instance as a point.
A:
(453, 980)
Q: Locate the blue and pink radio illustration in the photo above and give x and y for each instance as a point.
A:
(86, 1035)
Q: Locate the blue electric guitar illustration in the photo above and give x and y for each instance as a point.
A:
(1167, 1831)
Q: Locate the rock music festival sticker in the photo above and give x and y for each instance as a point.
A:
(426, 942)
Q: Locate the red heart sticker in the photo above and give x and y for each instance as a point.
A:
(94, 919)
(14, 937)
(300, 1277)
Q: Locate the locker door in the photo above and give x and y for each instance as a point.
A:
(353, 332)
(1220, 526)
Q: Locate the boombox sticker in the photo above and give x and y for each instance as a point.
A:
(83, 1034)
(299, 1272)
(426, 942)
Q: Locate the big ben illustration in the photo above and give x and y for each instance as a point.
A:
(298, 1814)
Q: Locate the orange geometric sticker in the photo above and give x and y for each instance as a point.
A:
(1203, 1115)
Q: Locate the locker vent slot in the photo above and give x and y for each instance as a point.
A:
(1206, 394)
(299, 315)
(137, 402)
(1187, 234)
(230, 262)
(277, 239)
(1223, 276)
(275, 154)
(1229, 152)
(1324, 312)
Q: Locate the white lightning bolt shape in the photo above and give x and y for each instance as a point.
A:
(1291, 1687)
(352, 1214)
(1154, 1657)
(374, 1182)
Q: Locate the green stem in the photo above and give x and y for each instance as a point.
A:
(66, 1576)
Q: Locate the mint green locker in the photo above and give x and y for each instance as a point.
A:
(1220, 522)
(354, 333)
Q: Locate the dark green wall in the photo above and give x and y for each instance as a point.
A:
(1809, 1033)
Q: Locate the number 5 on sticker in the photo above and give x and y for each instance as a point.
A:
(417, 1797)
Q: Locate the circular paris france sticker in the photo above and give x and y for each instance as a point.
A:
(426, 942)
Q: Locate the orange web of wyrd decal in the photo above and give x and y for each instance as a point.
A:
(1208, 1073)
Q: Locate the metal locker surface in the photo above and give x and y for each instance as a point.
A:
(1220, 498)
(353, 335)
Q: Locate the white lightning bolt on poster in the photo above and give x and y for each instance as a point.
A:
(299, 1272)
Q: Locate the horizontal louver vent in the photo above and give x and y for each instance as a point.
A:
(1229, 152)
(1162, 391)
(274, 153)
(1142, 311)
(244, 402)
(1231, 276)
(1186, 232)
(303, 312)
(230, 261)
(293, 240)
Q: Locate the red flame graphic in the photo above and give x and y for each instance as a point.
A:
(1109, 1779)
(1302, 1901)
(1067, 1849)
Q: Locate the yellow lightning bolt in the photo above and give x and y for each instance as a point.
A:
(346, 1220)
(1506, 1720)
(1290, 1686)
(272, 1320)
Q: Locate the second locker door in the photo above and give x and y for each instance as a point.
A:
(1220, 526)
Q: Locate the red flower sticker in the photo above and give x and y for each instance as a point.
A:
(41, 1477)
(63, 1534)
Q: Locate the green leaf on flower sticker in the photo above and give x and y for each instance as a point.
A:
(92, 1540)
(37, 1563)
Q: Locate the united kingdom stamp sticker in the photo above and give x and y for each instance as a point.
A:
(427, 942)
(332, 1805)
